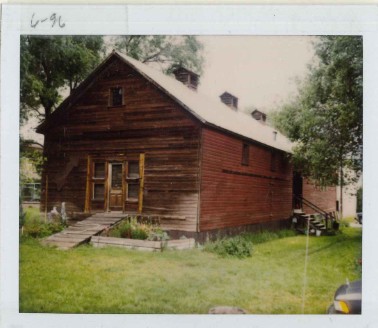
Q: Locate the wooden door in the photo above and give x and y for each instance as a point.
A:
(297, 190)
(116, 197)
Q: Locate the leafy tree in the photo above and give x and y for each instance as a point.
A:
(168, 51)
(34, 157)
(359, 199)
(325, 119)
(50, 63)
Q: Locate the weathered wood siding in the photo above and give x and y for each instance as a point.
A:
(325, 198)
(233, 194)
(149, 122)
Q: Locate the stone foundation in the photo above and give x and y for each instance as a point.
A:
(204, 236)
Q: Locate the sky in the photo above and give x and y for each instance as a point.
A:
(259, 70)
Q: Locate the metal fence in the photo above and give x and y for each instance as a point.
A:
(31, 192)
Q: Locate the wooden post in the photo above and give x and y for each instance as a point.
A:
(124, 176)
(87, 205)
(141, 182)
(46, 194)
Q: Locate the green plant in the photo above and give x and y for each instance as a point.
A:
(139, 233)
(235, 246)
(131, 228)
(39, 229)
(344, 224)
(269, 282)
(157, 234)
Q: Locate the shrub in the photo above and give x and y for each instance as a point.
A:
(40, 229)
(139, 233)
(241, 246)
(235, 246)
(344, 224)
(158, 234)
(131, 228)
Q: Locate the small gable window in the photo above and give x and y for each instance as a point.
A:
(116, 96)
(245, 154)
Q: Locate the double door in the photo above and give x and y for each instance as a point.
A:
(115, 185)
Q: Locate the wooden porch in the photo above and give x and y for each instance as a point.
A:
(82, 231)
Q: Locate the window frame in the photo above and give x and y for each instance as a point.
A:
(93, 191)
(98, 180)
(132, 180)
(94, 177)
(245, 154)
(111, 97)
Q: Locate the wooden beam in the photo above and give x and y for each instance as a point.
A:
(87, 206)
(141, 182)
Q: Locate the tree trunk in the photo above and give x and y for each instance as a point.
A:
(341, 192)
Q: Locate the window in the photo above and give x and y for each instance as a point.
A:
(98, 181)
(245, 154)
(133, 180)
(116, 96)
(117, 176)
(99, 171)
(234, 102)
(132, 190)
(133, 170)
(98, 191)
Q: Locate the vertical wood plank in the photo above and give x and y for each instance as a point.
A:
(124, 168)
(87, 205)
(107, 177)
(141, 182)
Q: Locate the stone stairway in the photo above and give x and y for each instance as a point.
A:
(82, 231)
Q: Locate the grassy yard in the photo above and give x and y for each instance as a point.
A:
(113, 280)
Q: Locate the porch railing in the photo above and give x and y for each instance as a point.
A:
(330, 217)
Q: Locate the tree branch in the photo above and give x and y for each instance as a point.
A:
(153, 56)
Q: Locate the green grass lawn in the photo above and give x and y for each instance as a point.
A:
(114, 280)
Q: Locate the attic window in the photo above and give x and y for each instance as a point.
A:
(230, 100)
(245, 154)
(116, 96)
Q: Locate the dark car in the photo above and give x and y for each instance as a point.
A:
(347, 299)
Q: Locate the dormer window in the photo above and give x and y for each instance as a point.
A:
(259, 116)
(189, 78)
(116, 96)
(229, 100)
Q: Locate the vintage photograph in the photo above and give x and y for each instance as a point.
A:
(191, 174)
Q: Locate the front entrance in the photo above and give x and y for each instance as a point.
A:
(114, 184)
(116, 195)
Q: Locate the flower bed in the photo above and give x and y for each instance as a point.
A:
(147, 236)
(144, 245)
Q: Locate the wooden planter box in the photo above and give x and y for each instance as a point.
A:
(144, 245)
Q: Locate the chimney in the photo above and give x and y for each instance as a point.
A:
(259, 116)
(230, 100)
(189, 78)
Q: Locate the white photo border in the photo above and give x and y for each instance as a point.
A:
(194, 20)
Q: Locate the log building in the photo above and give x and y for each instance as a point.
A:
(132, 139)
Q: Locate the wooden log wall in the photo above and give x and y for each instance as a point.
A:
(233, 194)
(325, 198)
(148, 122)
